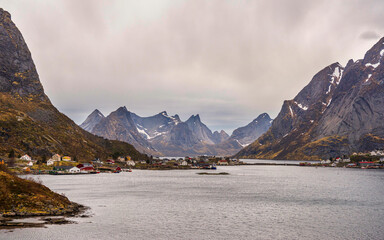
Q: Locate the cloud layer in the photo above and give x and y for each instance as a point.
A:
(229, 61)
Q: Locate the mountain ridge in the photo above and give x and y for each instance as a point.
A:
(169, 136)
(337, 113)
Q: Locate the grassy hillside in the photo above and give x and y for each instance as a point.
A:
(37, 128)
(25, 197)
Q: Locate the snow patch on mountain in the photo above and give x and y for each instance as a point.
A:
(372, 65)
(305, 108)
(290, 109)
(144, 133)
(369, 76)
(242, 145)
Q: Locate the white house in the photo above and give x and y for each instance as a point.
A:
(26, 158)
(30, 163)
(373, 153)
(50, 162)
(325, 161)
(222, 162)
(131, 163)
(346, 160)
(74, 170)
(184, 163)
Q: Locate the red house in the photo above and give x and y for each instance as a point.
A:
(86, 167)
(110, 161)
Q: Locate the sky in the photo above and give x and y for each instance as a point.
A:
(228, 61)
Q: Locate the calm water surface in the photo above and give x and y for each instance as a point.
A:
(253, 202)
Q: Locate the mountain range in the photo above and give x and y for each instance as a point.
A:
(29, 123)
(339, 112)
(166, 135)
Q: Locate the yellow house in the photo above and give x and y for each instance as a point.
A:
(66, 158)
(56, 157)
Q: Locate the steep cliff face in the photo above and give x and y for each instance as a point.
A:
(338, 112)
(200, 130)
(18, 75)
(29, 123)
(357, 108)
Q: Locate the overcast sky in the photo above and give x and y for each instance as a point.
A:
(227, 60)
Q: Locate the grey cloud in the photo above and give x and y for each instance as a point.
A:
(227, 60)
(369, 35)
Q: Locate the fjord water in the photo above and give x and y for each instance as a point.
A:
(253, 202)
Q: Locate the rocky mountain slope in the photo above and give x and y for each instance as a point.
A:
(339, 112)
(169, 136)
(119, 125)
(29, 123)
(92, 120)
(249, 133)
(219, 137)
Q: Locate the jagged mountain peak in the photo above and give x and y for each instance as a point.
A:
(122, 109)
(249, 133)
(177, 118)
(194, 118)
(322, 85)
(97, 112)
(263, 116)
(374, 56)
(92, 120)
(220, 137)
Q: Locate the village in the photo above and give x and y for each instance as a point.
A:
(64, 165)
(365, 160)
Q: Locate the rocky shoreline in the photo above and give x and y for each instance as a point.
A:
(16, 219)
